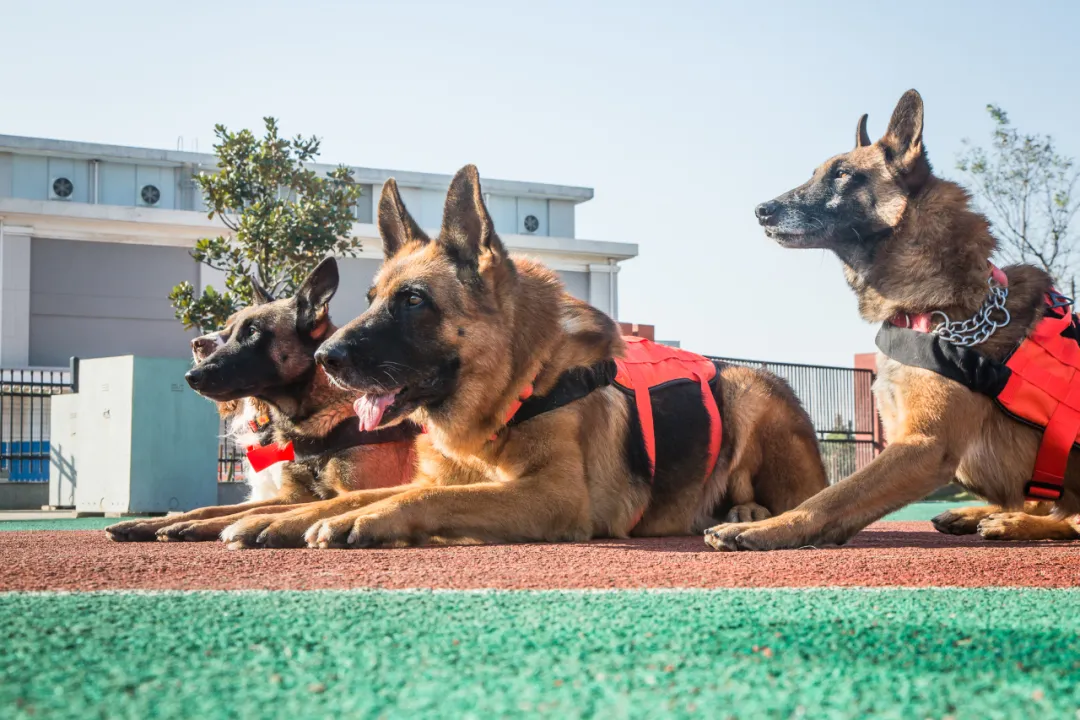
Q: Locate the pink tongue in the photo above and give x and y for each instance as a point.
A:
(370, 409)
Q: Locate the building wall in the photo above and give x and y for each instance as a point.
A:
(119, 182)
(576, 283)
(96, 299)
(92, 299)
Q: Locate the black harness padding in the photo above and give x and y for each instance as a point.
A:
(572, 385)
(929, 351)
(347, 434)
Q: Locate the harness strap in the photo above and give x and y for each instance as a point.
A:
(572, 385)
(1048, 479)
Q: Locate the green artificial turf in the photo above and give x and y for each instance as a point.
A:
(927, 510)
(86, 523)
(904, 653)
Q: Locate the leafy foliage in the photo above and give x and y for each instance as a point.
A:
(282, 217)
(1029, 192)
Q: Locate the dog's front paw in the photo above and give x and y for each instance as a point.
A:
(244, 533)
(961, 521)
(779, 533)
(377, 530)
(1021, 526)
(327, 534)
(192, 530)
(134, 530)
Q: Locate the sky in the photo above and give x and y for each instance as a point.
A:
(681, 115)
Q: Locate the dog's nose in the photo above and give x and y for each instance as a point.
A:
(766, 212)
(333, 358)
(194, 378)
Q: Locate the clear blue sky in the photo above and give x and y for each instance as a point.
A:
(681, 115)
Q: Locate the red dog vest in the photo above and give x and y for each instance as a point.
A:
(645, 368)
(1038, 384)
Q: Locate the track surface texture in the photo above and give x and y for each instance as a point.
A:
(910, 554)
(903, 653)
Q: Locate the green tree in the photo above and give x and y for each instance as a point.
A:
(1028, 190)
(282, 219)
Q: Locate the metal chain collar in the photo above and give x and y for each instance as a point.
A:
(978, 328)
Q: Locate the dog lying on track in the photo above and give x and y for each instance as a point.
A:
(530, 436)
(918, 258)
(261, 371)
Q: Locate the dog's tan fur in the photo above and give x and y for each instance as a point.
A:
(563, 475)
(301, 500)
(935, 258)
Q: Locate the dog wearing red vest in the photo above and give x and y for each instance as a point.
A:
(974, 362)
(303, 449)
(542, 423)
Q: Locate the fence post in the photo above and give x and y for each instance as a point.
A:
(868, 361)
(73, 366)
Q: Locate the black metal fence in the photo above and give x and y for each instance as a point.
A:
(841, 406)
(25, 417)
(230, 459)
(839, 402)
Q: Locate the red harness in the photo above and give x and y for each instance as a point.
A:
(1041, 388)
(647, 365)
(644, 367)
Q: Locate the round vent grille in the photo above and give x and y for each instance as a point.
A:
(62, 187)
(531, 223)
(150, 194)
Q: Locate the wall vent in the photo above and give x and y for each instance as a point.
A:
(61, 189)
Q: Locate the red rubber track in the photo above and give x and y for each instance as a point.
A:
(908, 554)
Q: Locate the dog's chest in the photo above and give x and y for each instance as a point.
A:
(888, 386)
(991, 462)
(264, 484)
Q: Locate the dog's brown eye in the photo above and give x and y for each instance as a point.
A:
(414, 300)
(841, 174)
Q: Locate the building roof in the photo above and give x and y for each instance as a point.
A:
(364, 175)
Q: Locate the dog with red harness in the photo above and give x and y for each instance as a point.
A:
(542, 422)
(977, 374)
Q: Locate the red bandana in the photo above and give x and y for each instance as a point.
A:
(263, 456)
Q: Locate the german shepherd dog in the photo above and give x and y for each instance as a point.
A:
(263, 362)
(454, 332)
(911, 243)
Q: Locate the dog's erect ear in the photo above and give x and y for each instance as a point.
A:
(903, 140)
(862, 138)
(467, 229)
(258, 293)
(313, 299)
(396, 225)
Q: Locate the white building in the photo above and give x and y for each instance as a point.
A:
(93, 238)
